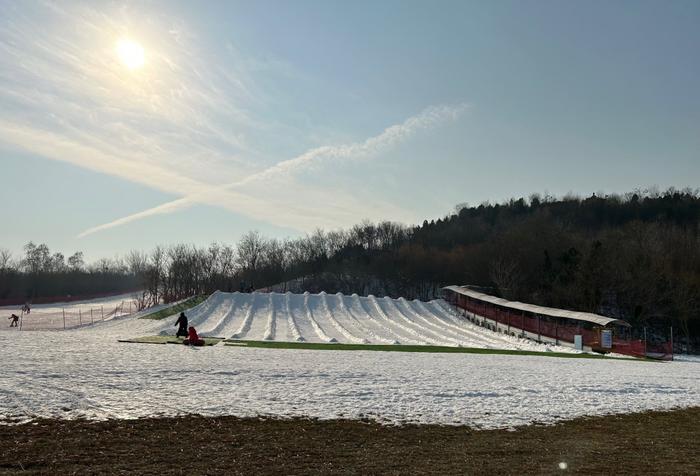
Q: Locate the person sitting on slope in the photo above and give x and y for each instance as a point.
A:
(182, 322)
(193, 338)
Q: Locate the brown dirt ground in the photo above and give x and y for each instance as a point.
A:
(643, 443)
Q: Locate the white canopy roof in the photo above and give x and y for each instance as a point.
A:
(541, 310)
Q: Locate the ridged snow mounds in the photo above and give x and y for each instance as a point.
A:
(340, 318)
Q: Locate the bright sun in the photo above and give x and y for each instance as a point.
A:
(130, 53)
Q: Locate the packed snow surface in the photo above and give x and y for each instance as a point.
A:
(86, 304)
(87, 373)
(339, 318)
(72, 314)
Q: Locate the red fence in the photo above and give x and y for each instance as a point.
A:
(559, 329)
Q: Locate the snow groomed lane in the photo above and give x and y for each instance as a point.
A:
(338, 318)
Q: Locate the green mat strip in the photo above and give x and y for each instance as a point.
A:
(366, 347)
(168, 340)
(408, 348)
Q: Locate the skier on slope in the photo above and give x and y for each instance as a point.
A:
(182, 322)
(15, 320)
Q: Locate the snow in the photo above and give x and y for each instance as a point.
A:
(339, 318)
(86, 373)
(71, 314)
(107, 302)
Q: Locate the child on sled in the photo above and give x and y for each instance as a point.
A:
(193, 338)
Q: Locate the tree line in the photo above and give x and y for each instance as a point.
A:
(633, 256)
(39, 273)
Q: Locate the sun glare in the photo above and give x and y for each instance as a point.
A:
(130, 53)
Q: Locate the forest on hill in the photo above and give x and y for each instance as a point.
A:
(635, 257)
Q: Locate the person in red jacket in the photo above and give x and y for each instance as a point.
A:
(193, 338)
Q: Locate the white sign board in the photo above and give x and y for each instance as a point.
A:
(578, 342)
(606, 339)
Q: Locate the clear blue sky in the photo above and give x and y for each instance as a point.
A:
(287, 116)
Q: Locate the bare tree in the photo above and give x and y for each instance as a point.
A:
(137, 262)
(5, 260)
(154, 282)
(249, 251)
(76, 261)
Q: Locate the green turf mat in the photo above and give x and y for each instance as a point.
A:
(408, 348)
(176, 308)
(168, 340)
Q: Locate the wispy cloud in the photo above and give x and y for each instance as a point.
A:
(219, 196)
(191, 124)
(62, 79)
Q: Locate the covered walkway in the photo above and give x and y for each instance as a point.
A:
(546, 324)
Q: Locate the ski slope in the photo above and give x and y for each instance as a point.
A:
(330, 318)
(108, 302)
(66, 315)
(86, 373)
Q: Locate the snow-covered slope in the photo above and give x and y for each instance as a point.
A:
(86, 373)
(67, 315)
(340, 318)
(108, 302)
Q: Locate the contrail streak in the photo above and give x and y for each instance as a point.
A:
(429, 118)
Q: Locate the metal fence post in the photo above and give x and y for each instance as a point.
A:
(671, 342)
(91, 319)
(102, 309)
(80, 316)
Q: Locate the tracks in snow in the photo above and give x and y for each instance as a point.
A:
(293, 329)
(248, 320)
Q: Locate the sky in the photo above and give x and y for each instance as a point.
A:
(285, 117)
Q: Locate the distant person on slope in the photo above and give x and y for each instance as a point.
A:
(15, 320)
(182, 322)
(193, 338)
